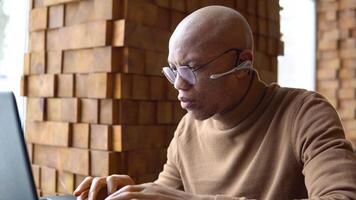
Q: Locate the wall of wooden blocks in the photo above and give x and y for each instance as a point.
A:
(336, 54)
(97, 102)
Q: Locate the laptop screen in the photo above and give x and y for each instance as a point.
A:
(16, 181)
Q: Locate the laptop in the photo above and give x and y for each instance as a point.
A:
(16, 179)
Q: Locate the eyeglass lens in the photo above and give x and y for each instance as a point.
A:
(183, 71)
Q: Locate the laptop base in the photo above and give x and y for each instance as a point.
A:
(62, 197)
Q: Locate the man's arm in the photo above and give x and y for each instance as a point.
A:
(152, 191)
(170, 176)
(318, 139)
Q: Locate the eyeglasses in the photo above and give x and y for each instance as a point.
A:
(189, 74)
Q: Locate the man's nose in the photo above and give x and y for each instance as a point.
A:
(181, 84)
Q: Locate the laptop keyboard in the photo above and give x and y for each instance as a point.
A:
(62, 197)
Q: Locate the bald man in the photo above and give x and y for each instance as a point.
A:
(241, 138)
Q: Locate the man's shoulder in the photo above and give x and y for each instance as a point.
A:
(291, 100)
(299, 95)
(307, 105)
(297, 92)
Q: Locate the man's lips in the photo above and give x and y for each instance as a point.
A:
(185, 99)
(185, 102)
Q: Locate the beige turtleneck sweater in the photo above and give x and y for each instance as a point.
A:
(279, 143)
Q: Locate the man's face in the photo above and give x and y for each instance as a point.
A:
(206, 97)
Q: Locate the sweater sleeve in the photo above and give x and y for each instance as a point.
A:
(223, 197)
(170, 176)
(318, 139)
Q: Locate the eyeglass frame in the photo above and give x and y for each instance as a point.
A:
(175, 71)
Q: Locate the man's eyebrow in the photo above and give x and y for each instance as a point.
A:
(190, 63)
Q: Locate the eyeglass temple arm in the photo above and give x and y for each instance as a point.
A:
(245, 65)
(212, 60)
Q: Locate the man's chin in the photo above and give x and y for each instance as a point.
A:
(198, 115)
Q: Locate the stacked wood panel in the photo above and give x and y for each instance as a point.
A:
(97, 102)
(336, 54)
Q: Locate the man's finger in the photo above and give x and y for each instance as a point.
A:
(131, 188)
(97, 184)
(83, 195)
(132, 195)
(117, 181)
(127, 189)
(83, 186)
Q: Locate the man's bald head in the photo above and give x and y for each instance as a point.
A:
(212, 27)
(197, 43)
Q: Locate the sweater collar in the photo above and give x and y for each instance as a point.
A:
(241, 111)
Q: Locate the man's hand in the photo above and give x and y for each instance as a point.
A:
(95, 188)
(152, 191)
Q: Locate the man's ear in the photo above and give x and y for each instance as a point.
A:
(246, 54)
(241, 74)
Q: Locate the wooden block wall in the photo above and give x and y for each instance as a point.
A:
(336, 58)
(97, 101)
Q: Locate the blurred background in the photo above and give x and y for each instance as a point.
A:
(296, 68)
